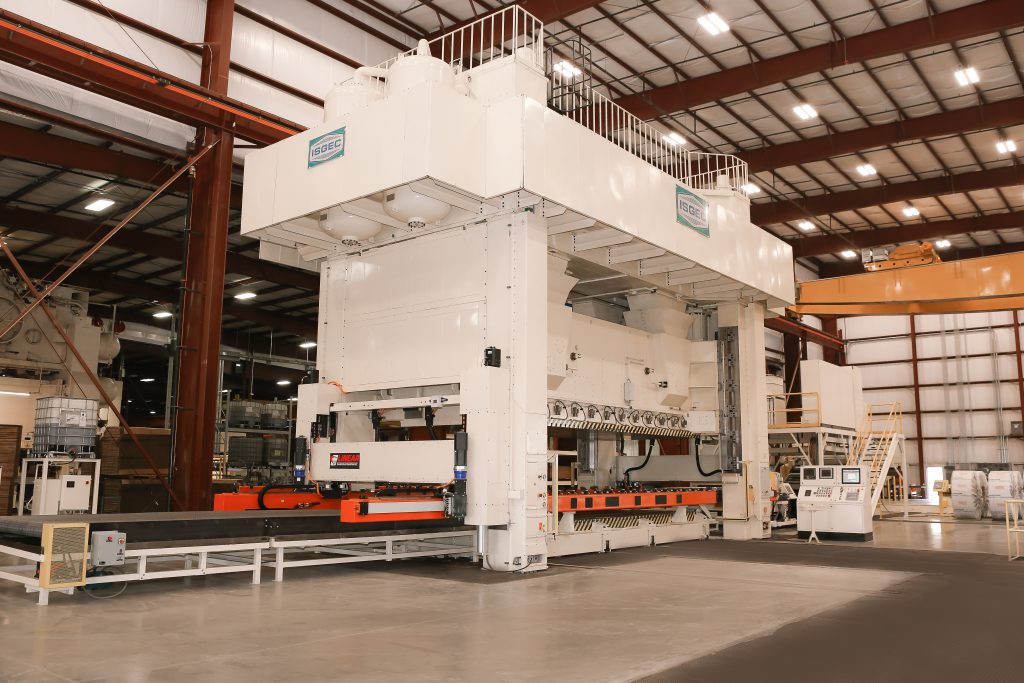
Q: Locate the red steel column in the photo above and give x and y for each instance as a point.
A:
(1020, 365)
(203, 285)
(830, 325)
(917, 400)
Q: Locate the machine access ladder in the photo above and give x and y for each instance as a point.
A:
(878, 441)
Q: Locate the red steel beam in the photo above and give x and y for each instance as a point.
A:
(974, 20)
(32, 145)
(194, 48)
(1020, 364)
(36, 146)
(107, 236)
(917, 399)
(161, 246)
(139, 289)
(548, 11)
(830, 326)
(71, 60)
(1004, 113)
(789, 326)
(876, 237)
(820, 205)
(93, 130)
(202, 300)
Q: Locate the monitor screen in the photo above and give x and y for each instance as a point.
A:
(825, 473)
(809, 474)
(851, 475)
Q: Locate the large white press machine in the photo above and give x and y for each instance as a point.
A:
(509, 264)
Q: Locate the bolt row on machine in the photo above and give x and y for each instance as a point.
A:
(538, 314)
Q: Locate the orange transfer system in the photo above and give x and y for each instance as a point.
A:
(625, 499)
(390, 505)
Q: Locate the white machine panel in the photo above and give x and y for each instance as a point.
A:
(839, 389)
(835, 501)
(395, 461)
(392, 305)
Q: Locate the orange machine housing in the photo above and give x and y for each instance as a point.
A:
(631, 500)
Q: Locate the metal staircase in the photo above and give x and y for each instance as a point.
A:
(878, 441)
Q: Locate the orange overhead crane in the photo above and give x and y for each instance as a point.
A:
(988, 283)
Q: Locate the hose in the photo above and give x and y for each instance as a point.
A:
(701, 469)
(650, 449)
(275, 487)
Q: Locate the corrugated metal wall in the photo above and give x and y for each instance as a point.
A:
(968, 379)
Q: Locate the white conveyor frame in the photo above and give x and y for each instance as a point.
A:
(231, 558)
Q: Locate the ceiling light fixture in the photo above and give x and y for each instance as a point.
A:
(805, 112)
(148, 379)
(97, 205)
(966, 76)
(866, 170)
(751, 188)
(245, 295)
(674, 139)
(152, 412)
(713, 24)
(567, 69)
(307, 345)
(806, 226)
(162, 314)
(943, 244)
(848, 254)
(911, 212)
(1006, 146)
(283, 382)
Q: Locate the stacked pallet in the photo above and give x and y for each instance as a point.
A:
(128, 483)
(10, 446)
(122, 457)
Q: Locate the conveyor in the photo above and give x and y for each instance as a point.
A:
(150, 527)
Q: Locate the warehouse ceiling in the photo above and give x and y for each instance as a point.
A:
(896, 150)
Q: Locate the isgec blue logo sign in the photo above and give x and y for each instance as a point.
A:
(692, 211)
(327, 147)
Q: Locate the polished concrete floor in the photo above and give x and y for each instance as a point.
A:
(700, 611)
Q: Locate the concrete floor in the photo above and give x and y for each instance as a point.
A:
(425, 621)
(700, 611)
(929, 533)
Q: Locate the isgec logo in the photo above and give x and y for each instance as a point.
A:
(326, 147)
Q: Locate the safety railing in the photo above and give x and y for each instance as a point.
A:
(1014, 508)
(874, 445)
(715, 171)
(486, 39)
(663, 150)
(806, 414)
(510, 30)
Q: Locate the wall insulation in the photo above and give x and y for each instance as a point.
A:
(253, 45)
(968, 382)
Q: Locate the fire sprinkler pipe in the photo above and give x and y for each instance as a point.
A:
(103, 240)
(89, 371)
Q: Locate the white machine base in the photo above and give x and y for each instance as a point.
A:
(601, 538)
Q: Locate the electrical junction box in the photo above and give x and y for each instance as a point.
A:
(75, 493)
(107, 549)
(1017, 428)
